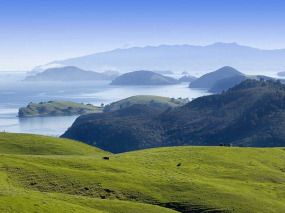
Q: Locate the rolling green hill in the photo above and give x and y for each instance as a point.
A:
(55, 108)
(150, 100)
(29, 144)
(209, 179)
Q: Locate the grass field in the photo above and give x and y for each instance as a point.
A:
(44, 174)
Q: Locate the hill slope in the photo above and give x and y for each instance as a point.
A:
(226, 83)
(150, 100)
(209, 179)
(187, 78)
(144, 78)
(250, 114)
(69, 73)
(210, 79)
(28, 144)
(180, 57)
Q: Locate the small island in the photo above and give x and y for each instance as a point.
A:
(69, 73)
(57, 108)
(187, 78)
(65, 108)
(144, 78)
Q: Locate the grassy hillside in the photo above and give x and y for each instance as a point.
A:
(150, 100)
(212, 179)
(28, 144)
(54, 108)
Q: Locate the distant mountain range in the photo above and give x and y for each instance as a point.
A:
(199, 59)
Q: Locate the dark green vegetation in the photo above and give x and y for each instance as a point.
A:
(144, 78)
(250, 114)
(223, 79)
(226, 83)
(187, 78)
(77, 179)
(69, 73)
(55, 108)
(149, 100)
(210, 79)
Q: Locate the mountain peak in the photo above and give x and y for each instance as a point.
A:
(225, 43)
(227, 69)
(222, 44)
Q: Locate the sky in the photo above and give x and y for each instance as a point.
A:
(35, 32)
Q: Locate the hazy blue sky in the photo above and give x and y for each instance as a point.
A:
(34, 32)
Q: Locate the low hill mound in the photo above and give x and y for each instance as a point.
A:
(187, 78)
(69, 73)
(150, 100)
(144, 78)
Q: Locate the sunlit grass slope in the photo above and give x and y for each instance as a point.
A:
(210, 179)
(150, 100)
(28, 144)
